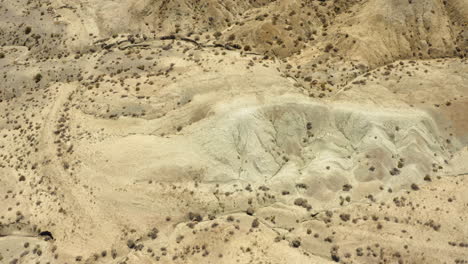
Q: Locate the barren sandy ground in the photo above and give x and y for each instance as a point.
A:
(185, 131)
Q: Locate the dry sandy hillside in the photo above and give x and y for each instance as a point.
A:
(223, 131)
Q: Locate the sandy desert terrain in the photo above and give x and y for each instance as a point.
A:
(223, 131)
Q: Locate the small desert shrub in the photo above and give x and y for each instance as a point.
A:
(255, 223)
(345, 217)
(347, 187)
(328, 47)
(196, 217)
(301, 185)
(130, 243)
(394, 171)
(250, 211)
(37, 77)
(295, 243)
(302, 203)
(153, 234)
(335, 257)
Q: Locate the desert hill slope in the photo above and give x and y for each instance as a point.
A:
(184, 131)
